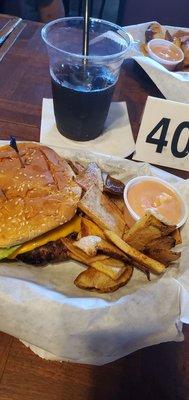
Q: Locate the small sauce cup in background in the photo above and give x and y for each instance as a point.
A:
(150, 193)
(165, 52)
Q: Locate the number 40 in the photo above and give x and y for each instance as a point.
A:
(162, 142)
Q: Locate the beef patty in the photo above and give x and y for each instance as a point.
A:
(49, 253)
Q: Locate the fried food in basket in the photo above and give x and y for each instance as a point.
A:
(90, 221)
(147, 246)
(185, 49)
(154, 31)
(180, 38)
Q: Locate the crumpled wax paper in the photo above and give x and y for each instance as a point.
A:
(173, 85)
(44, 308)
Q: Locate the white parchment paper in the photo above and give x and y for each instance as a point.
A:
(43, 307)
(173, 85)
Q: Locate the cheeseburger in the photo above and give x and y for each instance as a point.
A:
(38, 204)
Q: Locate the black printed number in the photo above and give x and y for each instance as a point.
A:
(161, 142)
(175, 140)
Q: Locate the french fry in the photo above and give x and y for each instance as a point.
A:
(91, 279)
(143, 269)
(177, 236)
(79, 255)
(119, 202)
(165, 256)
(144, 49)
(144, 231)
(139, 239)
(88, 262)
(88, 228)
(165, 242)
(164, 228)
(153, 265)
(111, 267)
(91, 245)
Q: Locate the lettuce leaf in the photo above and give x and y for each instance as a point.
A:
(4, 253)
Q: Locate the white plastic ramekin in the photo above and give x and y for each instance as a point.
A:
(171, 65)
(139, 179)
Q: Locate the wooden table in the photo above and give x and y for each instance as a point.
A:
(159, 372)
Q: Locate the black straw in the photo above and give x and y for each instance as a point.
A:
(13, 144)
(86, 28)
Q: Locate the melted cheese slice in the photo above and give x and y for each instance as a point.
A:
(62, 231)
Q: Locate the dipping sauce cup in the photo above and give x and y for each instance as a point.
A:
(150, 193)
(165, 52)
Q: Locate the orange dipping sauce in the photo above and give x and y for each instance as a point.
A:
(150, 194)
(165, 52)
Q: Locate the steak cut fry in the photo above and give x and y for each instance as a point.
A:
(78, 254)
(165, 242)
(145, 230)
(154, 266)
(111, 267)
(177, 236)
(88, 228)
(91, 279)
(163, 255)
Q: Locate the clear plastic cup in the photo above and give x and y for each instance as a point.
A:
(83, 86)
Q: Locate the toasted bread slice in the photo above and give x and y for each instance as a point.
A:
(91, 279)
(98, 207)
(90, 176)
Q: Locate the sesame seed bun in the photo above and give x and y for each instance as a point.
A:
(37, 198)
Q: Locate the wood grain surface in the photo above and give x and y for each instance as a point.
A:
(159, 372)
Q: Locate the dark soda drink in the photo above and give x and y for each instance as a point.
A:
(82, 97)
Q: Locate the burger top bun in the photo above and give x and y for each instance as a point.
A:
(37, 198)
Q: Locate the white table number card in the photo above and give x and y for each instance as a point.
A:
(163, 137)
